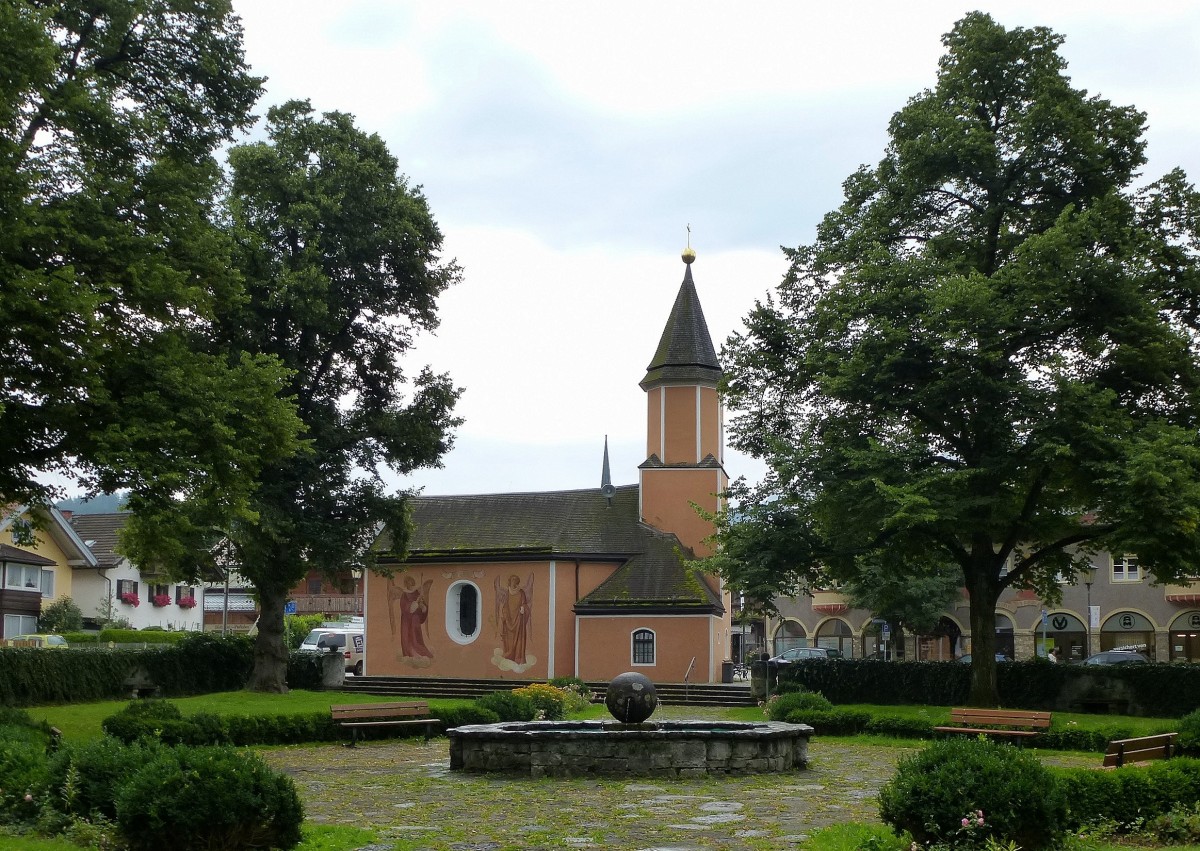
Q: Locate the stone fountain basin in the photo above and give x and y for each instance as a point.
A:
(650, 749)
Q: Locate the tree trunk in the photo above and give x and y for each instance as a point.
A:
(270, 651)
(984, 588)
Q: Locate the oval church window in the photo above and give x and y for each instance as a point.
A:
(464, 611)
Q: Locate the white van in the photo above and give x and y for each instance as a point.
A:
(349, 641)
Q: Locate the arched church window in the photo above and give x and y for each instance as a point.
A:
(464, 612)
(643, 647)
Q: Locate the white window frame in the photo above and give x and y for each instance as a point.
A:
(20, 625)
(23, 577)
(454, 606)
(1126, 568)
(633, 647)
(47, 583)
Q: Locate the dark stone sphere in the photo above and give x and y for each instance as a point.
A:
(631, 698)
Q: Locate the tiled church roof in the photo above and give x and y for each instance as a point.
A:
(563, 524)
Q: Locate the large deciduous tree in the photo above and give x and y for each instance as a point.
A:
(342, 268)
(988, 356)
(111, 264)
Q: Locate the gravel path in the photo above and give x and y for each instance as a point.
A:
(404, 790)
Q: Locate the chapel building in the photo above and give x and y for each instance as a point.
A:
(588, 583)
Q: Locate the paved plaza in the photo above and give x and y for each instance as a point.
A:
(404, 790)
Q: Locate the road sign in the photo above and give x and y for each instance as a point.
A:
(289, 608)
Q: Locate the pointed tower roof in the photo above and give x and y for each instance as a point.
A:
(606, 485)
(685, 353)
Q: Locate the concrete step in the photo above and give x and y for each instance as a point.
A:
(673, 694)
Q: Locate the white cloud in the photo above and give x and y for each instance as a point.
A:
(563, 148)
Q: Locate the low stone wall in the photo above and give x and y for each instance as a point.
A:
(668, 749)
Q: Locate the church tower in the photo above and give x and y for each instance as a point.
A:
(685, 452)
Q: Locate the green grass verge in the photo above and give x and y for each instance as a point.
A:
(81, 721)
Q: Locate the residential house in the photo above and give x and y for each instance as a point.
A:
(117, 590)
(40, 555)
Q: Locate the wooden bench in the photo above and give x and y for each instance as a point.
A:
(1142, 749)
(407, 713)
(1012, 723)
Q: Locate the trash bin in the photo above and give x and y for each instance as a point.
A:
(727, 671)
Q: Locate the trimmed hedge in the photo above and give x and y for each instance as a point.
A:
(1126, 797)
(161, 721)
(1157, 689)
(193, 663)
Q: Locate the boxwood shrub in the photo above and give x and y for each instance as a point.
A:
(208, 797)
(779, 707)
(950, 780)
(461, 716)
(508, 705)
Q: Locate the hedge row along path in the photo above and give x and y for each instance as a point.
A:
(404, 790)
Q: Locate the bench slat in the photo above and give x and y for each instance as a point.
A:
(381, 713)
(990, 731)
(1010, 723)
(393, 714)
(1141, 749)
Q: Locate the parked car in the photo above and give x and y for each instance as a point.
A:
(1117, 657)
(348, 642)
(50, 642)
(1000, 657)
(797, 654)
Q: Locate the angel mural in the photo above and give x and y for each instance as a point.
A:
(413, 602)
(514, 607)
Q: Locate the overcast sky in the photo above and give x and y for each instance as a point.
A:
(565, 147)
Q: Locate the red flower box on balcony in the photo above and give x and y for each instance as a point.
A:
(161, 600)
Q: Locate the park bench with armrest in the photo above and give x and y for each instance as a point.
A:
(357, 716)
(1010, 723)
(1142, 749)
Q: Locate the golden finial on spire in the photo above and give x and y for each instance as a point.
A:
(689, 255)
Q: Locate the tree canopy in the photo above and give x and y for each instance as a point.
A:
(111, 261)
(987, 357)
(341, 262)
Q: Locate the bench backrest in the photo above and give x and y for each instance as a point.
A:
(1000, 718)
(395, 709)
(1140, 749)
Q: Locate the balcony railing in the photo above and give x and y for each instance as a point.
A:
(341, 604)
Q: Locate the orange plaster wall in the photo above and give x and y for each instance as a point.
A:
(562, 581)
(606, 647)
(680, 425)
(667, 495)
(574, 582)
(710, 424)
(654, 422)
(451, 659)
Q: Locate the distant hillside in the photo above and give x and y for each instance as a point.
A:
(107, 503)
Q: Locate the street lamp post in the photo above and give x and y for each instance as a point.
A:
(1089, 577)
